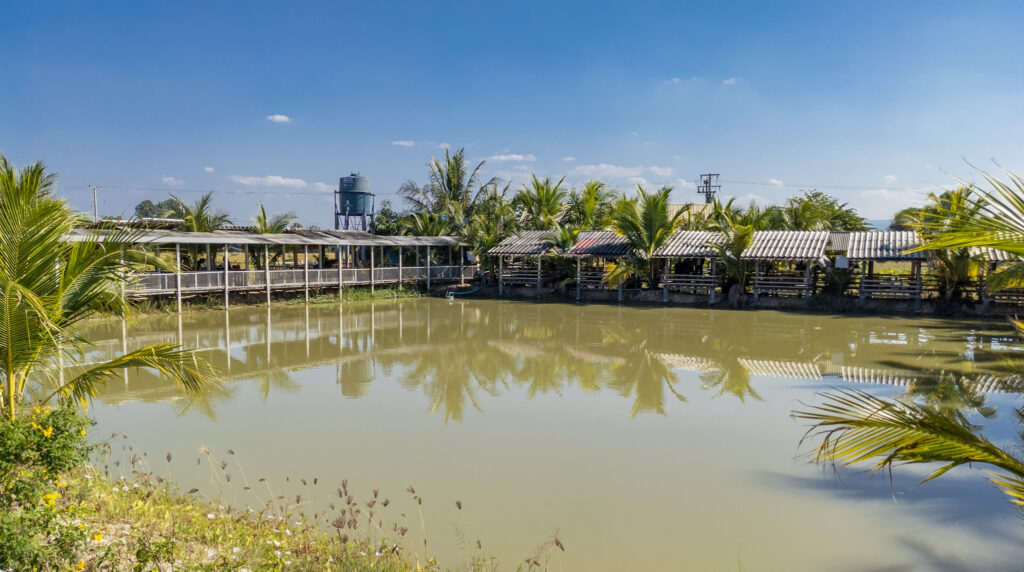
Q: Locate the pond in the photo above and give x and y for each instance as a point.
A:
(642, 438)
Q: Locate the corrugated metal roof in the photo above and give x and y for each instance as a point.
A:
(525, 242)
(838, 241)
(599, 243)
(690, 244)
(993, 255)
(884, 245)
(787, 245)
(300, 237)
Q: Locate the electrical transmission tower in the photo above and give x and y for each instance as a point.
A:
(708, 186)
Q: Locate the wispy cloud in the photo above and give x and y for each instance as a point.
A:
(882, 203)
(639, 181)
(208, 169)
(268, 181)
(609, 171)
(661, 171)
(444, 146)
(775, 182)
(889, 179)
(171, 181)
(278, 118)
(692, 81)
(322, 186)
(512, 157)
(684, 184)
(404, 143)
(730, 81)
(568, 159)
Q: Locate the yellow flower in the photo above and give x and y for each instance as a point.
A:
(82, 432)
(61, 483)
(80, 565)
(97, 537)
(48, 432)
(50, 499)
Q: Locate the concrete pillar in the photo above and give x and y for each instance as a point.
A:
(664, 284)
(400, 267)
(462, 264)
(501, 272)
(862, 294)
(579, 274)
(266, 273)
(540, 262)
(177, 279)
(713, 287)
(917, 283)
(337, 258)
(428, 268)
(757, 275)
(372, 271)
(305, 270)
(227, 276)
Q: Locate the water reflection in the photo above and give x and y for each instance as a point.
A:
(456, 353)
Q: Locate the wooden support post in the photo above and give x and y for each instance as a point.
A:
(917, 283)
(664, 284)
(807, 283)
(501, 272)
(428, 268)
(245, 253)
(400, 267)
(209, 258)
(337, 257)
(462, 264)
(266, 274)
(226, 277)
(372, 270)
(579, 275)
(714, 283)
(757, 275)
(177, 279)
(620, 292)
(540, 262)
(305, 270)
(862, 294)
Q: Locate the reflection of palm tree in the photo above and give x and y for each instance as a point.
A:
(730, 376)
(950, 394)
(643, 375)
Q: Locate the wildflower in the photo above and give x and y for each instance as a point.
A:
(288, 532)
(211, 516)
(235, 550)
(287, 562)
(82, 432)
(50, 498)
(98, 537)
(60, 483)
(80, 565)
(277, 553)
(48, 432)
(276, 543)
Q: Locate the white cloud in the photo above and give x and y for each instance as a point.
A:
(639, 181)
(883, 203)
(775, 182)
(684, 81)
(889, 179)
(323, 186)
(172, 181)
(208, 169)
(752, 198)
(730, 81)
(512, 157)
(444, 146)
(606, 170)
(404, 143)
(684, 184)
(278, 118)
(268, 181)
(568, 159)
(661, 171)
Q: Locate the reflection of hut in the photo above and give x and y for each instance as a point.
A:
(889, 246)
(520, 249)
(592, 249)
(690, 262)
(784, 261)
(990, 260)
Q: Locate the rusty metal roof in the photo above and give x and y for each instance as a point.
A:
(690, 244)
(884, 245)
(525, 242)
(599, 243)
(787, 245)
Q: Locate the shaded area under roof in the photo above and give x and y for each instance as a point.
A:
(885, 245)
(525, 242)
(690, 244)
(599, 243)
(787, 245)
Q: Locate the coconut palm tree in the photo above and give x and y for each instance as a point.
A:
(453, 190)
(49, 285)
(200, 216)
(646, 224)
(425, 224)
(945, 213)
(541, 202)
(270, 224)
(590, 208)
(737, 228)
(494, 220)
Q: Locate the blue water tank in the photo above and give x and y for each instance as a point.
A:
(355, 197)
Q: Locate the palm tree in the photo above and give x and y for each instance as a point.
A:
(200, 216)
(270, 224)
(945, 213)
(541, 202)
(591, 208)
(646, 224)
(453, 191)
(737, 228)
(494, 220)
(425, 224)
(48, 285)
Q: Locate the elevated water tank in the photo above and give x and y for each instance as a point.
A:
(354, 196)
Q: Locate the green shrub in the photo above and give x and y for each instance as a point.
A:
(36, 451)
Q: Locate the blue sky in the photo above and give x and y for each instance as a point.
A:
(874, 102)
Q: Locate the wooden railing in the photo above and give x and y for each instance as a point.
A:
(789, 284)
(703, 283)
(163, 283)
(895, 286)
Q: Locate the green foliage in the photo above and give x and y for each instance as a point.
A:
(493, 221)
(590, 208)
(453, 191)
(37, 450)
(149, 209)
(946, 213)
(425, 224)
(48, 285)
(540, 202)
(815, 210)
(387, 221)
(646, 224)
(200, 216)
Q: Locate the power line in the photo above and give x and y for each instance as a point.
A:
(326, 194)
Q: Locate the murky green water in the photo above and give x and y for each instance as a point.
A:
(646, 438)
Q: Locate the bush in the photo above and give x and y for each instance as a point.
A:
(36, 451)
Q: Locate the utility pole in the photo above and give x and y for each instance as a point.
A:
(95, 205)
(708, 186)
